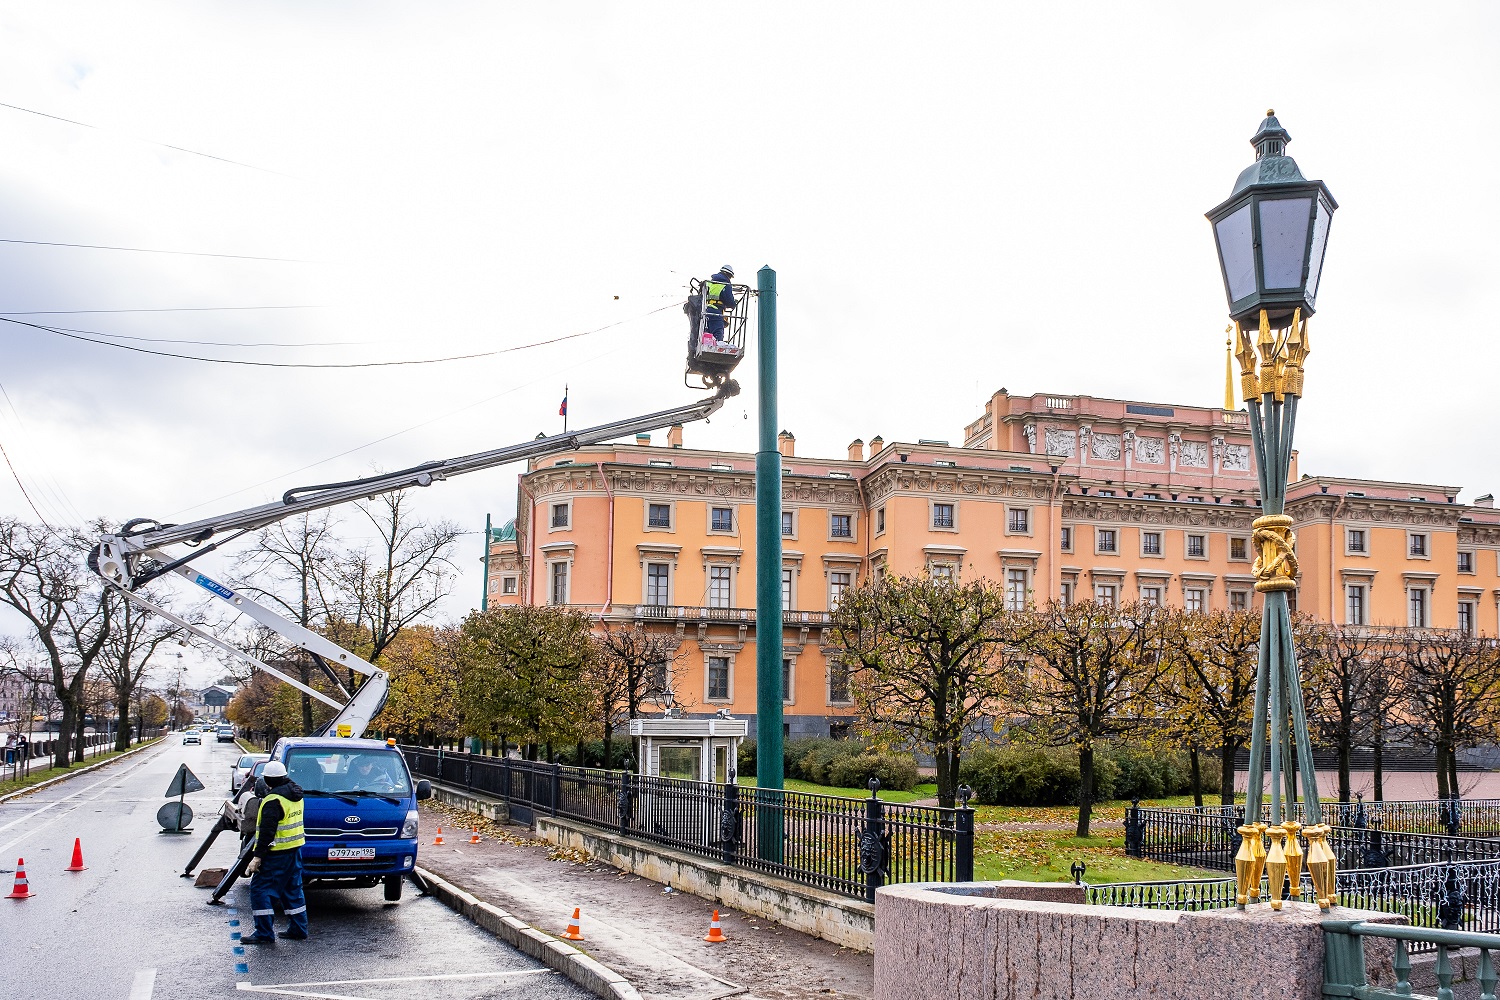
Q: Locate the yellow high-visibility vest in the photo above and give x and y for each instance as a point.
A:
(289, 830)
(715, 291)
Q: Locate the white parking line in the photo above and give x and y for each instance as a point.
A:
(144, 986)
(296, 990)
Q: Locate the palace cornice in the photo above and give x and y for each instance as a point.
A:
(1377, 511)
(687, 483)
(955, 482)
(1478, 534)
(1125, 511)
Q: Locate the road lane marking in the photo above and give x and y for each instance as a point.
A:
(144, 986)
(113, 777)
(296, 989)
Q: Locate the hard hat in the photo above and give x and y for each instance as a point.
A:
(729, 271)
(274, 769)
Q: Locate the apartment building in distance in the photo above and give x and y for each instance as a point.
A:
(1054, 497)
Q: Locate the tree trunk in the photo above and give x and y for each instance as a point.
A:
(1379, 765)
(1226, 774)
(609, 736)
(62, 747)
(1453, 772)
(122, 736)
(1085, 788)
(947, 794)
(1197, 776)
(1442, 771)
(1344, 746)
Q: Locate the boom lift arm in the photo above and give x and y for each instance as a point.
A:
(141, 551)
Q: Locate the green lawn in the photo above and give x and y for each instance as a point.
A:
(1048, 855)
(40, 774)
(793, 785)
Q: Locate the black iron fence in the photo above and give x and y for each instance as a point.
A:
(848, 846)
(1207, 838)
(18, 759)
(1458, 896)
(1453, 817)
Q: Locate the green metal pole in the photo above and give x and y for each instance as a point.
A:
(484, 599)
(768, 651)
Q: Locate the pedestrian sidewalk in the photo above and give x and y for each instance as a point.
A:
(653, 939)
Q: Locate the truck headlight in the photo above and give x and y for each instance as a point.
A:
(409, 828)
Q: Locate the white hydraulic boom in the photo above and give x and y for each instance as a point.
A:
(144, 550)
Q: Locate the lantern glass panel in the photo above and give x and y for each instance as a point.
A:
(1283, 240)
(1315, 258)
(1237, 251)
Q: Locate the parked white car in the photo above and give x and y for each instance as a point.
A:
(241, 768)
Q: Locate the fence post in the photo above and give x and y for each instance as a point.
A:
(1135, 830)
(556, 786)
(1344, 958)
(622, 803)
(963, 861)
(729, 820)
(874, 844)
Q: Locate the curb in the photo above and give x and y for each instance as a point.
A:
(593, 976)
(82, 770)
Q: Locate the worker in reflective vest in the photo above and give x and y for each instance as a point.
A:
(718, 296)
(276, 868)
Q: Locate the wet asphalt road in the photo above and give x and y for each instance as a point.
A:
(130, 928)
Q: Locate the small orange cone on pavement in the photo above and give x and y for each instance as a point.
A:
(77, 865)
(22, 888)
(714, 933)
(475, 838)
(573, 933)
(439, 839)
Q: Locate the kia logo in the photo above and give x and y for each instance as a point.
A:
(351, 819)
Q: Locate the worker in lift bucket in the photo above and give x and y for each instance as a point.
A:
(718, 297)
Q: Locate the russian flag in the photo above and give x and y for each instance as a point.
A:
(562, 411)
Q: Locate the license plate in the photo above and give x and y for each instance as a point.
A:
(351, 853)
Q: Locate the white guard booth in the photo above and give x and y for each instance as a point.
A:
(690, 749)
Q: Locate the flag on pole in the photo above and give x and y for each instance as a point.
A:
(562, 411)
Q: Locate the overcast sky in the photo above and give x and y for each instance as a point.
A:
(956, 197)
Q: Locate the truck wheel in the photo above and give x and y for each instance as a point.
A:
(392, 888)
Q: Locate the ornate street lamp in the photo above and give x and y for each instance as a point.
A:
(1271, 236)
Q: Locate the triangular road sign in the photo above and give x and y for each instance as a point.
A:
(184, 781)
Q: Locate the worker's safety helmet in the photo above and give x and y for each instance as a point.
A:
(727, 271)
(274, 769)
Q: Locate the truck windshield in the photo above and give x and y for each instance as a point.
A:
(340, 772)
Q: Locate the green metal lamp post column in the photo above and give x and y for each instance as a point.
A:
(768, 694)
(1271, 235)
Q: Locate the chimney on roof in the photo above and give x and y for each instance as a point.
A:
(643, 440)
(674, 436)
(786, 443)
(856, 450)
(1488, 500)
(876, 443)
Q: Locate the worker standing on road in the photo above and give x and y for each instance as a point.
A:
(276, 868)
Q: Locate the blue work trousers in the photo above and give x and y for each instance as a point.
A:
(279, 881)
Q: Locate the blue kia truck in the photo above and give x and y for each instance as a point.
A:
(359, 810)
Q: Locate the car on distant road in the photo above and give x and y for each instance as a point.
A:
(241, 768)
(192, 736)
(225, 733)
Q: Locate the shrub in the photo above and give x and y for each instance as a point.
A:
(1021, 775)
(746, 758)
(895, 770)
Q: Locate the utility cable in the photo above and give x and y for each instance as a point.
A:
(219, 343)
(166, 309)
(58, 499)
(179, 253)
(71, 335)
(151, 142)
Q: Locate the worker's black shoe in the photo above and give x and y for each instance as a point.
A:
(294, 935)
(257, 939)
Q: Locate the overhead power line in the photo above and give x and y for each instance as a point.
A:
(145, 309)
(178, 253)
(87, 336)
(152, 142)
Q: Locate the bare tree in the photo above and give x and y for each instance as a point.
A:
(1452, 684)
(1211, 686)
(1344, 663)
(133, 641)
(926, 661)
(399, 580)
(69, 610)
(1096, 671)
(292, 567)
(635, 665)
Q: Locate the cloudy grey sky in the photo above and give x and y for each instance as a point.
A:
(956, 197)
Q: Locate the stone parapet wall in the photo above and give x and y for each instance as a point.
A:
(936, 942)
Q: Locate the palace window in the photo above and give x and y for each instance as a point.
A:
(942, 516)
(1197, 547)
(1015, 590)
(838, 582)
(721, 519)
(1239, 600)
(1151, 596)
(1355, 604)
(1106, 539)
(1018, 521)
(718, 586)
(1105, 593)
(1416, 607)
(1417, 545)
(1067, 538)
(1192, 598)
(841, 525)
(561, 515)
(559, 590)
(838, 683)
(659, 515)
(658, 576)
(786, 588)
(1466, 562)
(1355, 541)
(1065, 592)
(786, 680)
(718, 678)
(879, 520)
(1237, 547)
(788, 524)
(1466, 617)
(508, 585)
(1150, 543)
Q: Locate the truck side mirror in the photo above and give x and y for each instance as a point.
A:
(424, 789)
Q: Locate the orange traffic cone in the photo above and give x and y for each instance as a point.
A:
(475, 838)
(714, 933)
(573, 933)
(22, 888)
(77, 865)
(439, 838)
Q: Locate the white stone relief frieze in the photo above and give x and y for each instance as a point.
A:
(1236, 458)
(1060, 441)
(1106, 447)
(1150, 450)
(1194, 454)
